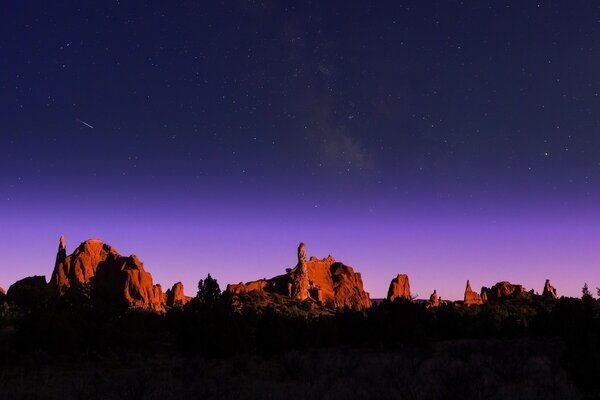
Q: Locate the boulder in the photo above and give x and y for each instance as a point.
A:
(549, 291)
(471, 298)
(504, 290)
(124, 277)
(399, 288)
(323, 281)
(175, 295)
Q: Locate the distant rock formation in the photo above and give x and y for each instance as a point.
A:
(471, 298)
(549, 291)
(2, 295)
(123, 276)
(434, 300)
(504, 290)
(399, 288)
(175, 296)
(325, 281)
(28, 291)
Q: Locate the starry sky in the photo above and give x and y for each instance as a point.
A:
(447, 140)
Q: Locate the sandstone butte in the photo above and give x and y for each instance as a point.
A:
(123, 276)
(399, 288)
(323, 281)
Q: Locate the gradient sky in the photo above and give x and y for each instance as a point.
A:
(446, 140)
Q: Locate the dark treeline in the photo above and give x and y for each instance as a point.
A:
(87, 324)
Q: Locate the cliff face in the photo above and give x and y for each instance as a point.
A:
(125, 277)
(399, 288)
(325, 281)
(471, 298)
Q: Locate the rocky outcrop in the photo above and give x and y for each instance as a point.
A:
(2, 295)
(549, 291)
(324, 281)
(175, 296)
(399, 288)
(28, 291)
(434, 300)
(124, 277)
(504, 290)
(471, 298)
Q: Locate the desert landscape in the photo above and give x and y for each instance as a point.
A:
(101, 328)
(282, 199)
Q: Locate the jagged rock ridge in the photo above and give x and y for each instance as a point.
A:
(504, 290)
(123, 276)
(324, 281)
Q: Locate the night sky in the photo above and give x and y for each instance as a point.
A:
(446, 140)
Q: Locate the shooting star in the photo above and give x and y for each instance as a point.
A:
(85, 123)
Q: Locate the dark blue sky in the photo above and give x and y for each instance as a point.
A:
(475, 111)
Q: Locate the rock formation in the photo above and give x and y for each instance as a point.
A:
(175, 296)
(28, 291)
(301, 253)
(324, 281)
(504, 290)
(2, 295)
(471, 297)
(399, 288)
(434, 300)
(549, 291)
(123, 276)
(299, 287)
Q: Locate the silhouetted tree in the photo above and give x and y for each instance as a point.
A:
(585, 292)
(209, 291)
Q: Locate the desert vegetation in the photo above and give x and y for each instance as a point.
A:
(84, 343)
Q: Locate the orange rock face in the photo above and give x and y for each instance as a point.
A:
(175, 295)
(399, 288)
(471, 297)
(125, 276)
(504, 290)
(549, 291)
(325, 281)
